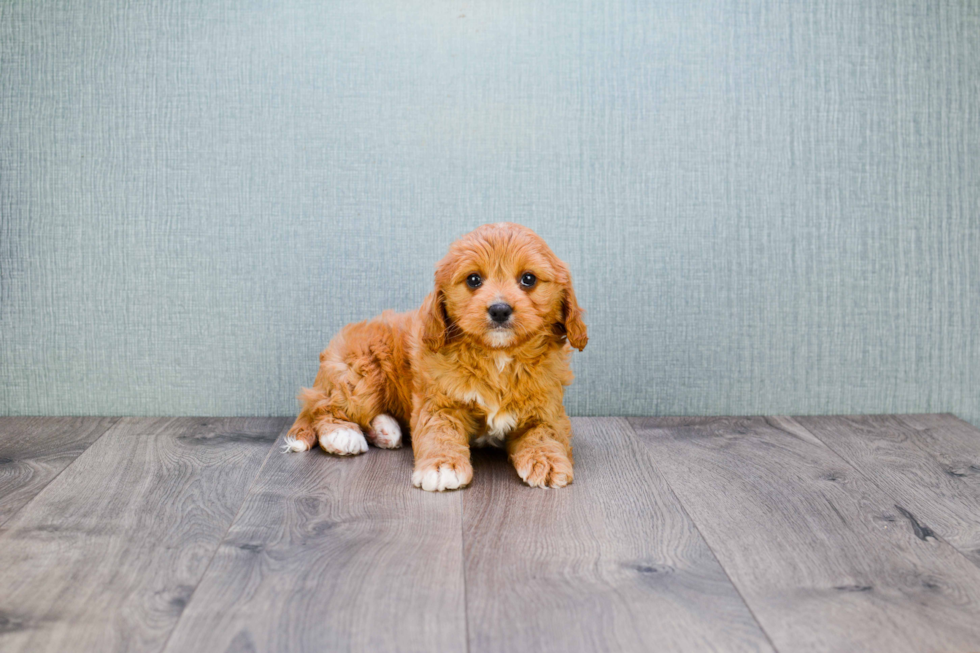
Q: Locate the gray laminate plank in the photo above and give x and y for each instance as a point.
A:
(107, 555)
(610, 563)
(826, 560)
(334, 554)
(929, 463)
(34, 450)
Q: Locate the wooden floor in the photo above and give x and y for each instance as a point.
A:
(679, 534)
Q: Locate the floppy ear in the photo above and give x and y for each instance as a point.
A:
(435, 322)
(575, 329)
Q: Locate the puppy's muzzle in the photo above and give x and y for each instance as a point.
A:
(500, 312)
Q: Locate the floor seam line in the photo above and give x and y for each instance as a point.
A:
(214, 553)
(112, 424)
(638, 440)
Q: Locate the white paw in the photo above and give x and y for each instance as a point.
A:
(438, 479)
(385, 432)
(291, 444)
(344, 441)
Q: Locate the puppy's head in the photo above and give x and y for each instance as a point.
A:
(501, 286)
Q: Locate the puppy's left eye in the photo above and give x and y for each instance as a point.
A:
(528, 280)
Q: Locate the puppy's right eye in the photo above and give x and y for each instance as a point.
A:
(474, 281)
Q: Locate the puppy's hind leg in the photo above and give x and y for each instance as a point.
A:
(351, 392)
(317, 422)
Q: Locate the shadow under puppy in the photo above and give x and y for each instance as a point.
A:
(483, 361)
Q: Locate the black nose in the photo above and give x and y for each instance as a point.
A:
(500, 313)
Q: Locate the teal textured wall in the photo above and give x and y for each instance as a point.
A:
(768, 206)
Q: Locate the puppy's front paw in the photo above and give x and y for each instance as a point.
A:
(343, 441)
(442, 474)
(543, 468)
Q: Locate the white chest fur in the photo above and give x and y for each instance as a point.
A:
(502, 360)
(498, 422)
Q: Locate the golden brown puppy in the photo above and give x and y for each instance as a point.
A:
(483, 361)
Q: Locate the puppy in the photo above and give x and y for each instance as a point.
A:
(483, 361)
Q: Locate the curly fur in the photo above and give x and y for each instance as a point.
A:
(454, 378)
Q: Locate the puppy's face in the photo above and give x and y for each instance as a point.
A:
(500, 286)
